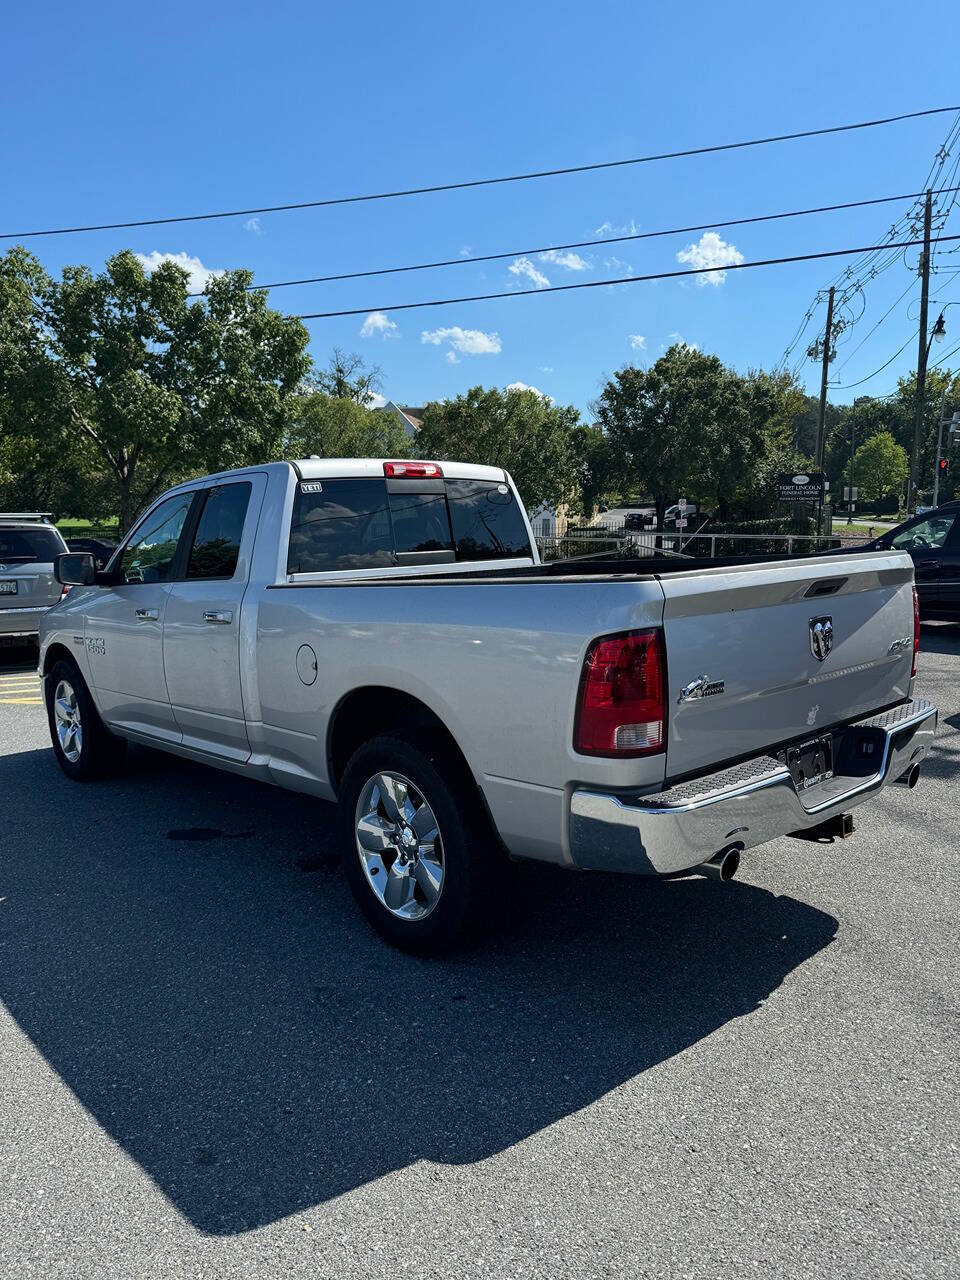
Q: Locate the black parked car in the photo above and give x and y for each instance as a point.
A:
(99, 548)
(933, 541)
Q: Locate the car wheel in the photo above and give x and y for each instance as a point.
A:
(417, 848)
(84, 747)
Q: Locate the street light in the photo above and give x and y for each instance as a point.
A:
(939, 331)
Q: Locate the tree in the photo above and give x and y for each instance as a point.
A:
(349, 377)
(155, 385)
(519, 430)
(686, 425)
(596, 464)
(333, 428)
(880, 467)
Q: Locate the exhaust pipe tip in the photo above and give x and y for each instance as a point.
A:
(912, 776)
(723, 865)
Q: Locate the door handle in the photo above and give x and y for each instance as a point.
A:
(222, 617)
(147, 615)
(928, 564)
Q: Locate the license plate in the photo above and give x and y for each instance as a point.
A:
(811, 762)
(8, 586)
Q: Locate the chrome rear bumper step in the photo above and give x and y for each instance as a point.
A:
(745, 805)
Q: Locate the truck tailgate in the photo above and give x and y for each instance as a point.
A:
(772, 674)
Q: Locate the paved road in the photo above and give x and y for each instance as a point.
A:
(208, 1066)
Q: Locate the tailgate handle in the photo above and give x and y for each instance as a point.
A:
(825, 587)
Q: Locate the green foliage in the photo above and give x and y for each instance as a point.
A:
(518, 430)
(880, 467)
(596, 465)
(686, 426)
(150, 385)
(342, 428)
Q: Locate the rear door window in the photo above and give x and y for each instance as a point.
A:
(216, 544)
(340, 524)
(487, 521)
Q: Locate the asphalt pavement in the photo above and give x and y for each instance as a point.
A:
(210, 1067)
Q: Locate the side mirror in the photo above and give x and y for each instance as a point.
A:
(75, 569)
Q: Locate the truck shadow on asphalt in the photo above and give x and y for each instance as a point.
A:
(221, 1009)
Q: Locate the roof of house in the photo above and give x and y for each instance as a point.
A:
(413, 414)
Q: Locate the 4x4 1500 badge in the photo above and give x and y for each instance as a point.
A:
(702, 687)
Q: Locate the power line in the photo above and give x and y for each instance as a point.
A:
(910, 286)
(875, 263)
(850, 385)
(482, 182)
(583, 244)
(950, 353)
(596, 284)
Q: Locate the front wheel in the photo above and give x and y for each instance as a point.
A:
(417, 849)
(83, 745)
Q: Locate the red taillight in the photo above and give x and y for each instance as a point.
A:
(916, 631)
(620, 711)
(412, 470)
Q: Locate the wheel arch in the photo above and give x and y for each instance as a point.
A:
(369, 710)
(53, 654)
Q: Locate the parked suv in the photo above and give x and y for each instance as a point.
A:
(29, 545)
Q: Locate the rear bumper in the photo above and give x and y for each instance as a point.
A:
(686, 825)
(21, 622)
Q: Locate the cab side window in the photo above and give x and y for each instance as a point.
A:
(930, 534)
(216, 544)
(149, 557)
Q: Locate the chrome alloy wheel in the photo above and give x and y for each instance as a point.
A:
(66, 711)
(399, 846)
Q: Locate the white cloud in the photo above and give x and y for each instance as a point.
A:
(638, 342)
(378, 322)
(451, 357)
(375, 400)
(613, 229)
(546, 368)
(572, 261)
(253, 224)
(524, 267)
(466, 251)
(679, 340)
(468, 342)
(200, 276)
(523, 386)
(710, 251)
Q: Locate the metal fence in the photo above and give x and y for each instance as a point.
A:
(701, 545)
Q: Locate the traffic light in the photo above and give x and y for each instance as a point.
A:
(944, 468)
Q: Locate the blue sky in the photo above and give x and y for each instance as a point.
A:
(110, 112)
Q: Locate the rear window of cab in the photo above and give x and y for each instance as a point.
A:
(373, 522)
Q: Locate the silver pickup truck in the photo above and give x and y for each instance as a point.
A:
(382, 634)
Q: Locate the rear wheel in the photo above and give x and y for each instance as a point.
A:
(84, 747)
(417, 849)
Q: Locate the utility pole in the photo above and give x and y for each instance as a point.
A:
(853, 433)
(923, 349)
(827, 351)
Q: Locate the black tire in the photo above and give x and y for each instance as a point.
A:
(470, 851)
(98, 751)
